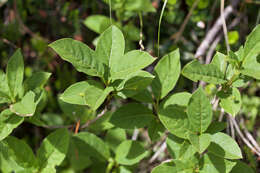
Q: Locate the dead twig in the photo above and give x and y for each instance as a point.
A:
(94, 120)
(178, 35)
(214, 30)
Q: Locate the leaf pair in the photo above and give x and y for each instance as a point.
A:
(116, 69)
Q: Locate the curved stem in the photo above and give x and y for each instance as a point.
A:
(159, 27)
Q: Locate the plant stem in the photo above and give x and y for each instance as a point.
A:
(222, 4)
(159, 27)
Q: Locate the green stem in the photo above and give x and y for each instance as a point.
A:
(159, 27)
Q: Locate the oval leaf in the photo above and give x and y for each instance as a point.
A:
(53, 150)
(199, 111)
(130, 152)
(91, 145)
(208, 72)
(79, 55)
(224, 146)
(14, 73)
(131, 116)
(167, 72)
(8, 122)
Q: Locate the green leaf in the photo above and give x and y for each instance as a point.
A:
(178, 148)
(215, 127)
(21, 153)
(8, 122)
(135, 83)
(224, 146)
(251, 66)
(131, 116)
(37, 79)
(114, 137)
(75, 94)
(53, 150)
(4, 89)
(91, 93)
(130, 152)
(155, 130)
(167, 72)
(102, 123)
(252, 45)
(209, 73)
(131, 62)
(14, 73)
(91, 146)
(230, 101)
(139, 5)
(110, 47)
(251, 58)
(214, 164)
(79, 55)
(26, 107)
(143, 96)
(241, 167)
(200, 142)
(180, 99)
(174, 118)
(165, 168)
(78, 156)
(219, 60)
(95, 95)
(97, 23)
(199, 111)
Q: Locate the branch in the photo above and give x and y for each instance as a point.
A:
(94, 120)
(224, 25)
(158, 152)
(214, 30)
(177, 36)
(241, 135)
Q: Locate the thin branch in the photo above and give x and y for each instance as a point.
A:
(214, 31)
(94, 120)
(213, 46)
(135, 134)
(141, 32)
(4, 40)
(159, 26)
(231, 126)
(224, 25)
(249, 136)
(178, 35)
(158, 152)
(241, 135)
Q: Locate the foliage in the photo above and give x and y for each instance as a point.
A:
(121, 91)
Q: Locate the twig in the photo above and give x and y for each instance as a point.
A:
(94, 120)
(213, 31)
(77, 127)
(159, 26)
(249, 136)
(231, 126)
(158, 152)
(4, 40)
(141, 32)
(241, 135)
(178, 35)
(213, 46)
(135, 134)
(224, 25)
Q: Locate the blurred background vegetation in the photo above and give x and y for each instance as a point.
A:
(32, 24)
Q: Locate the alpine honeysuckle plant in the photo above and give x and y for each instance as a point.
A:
(188, 122)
